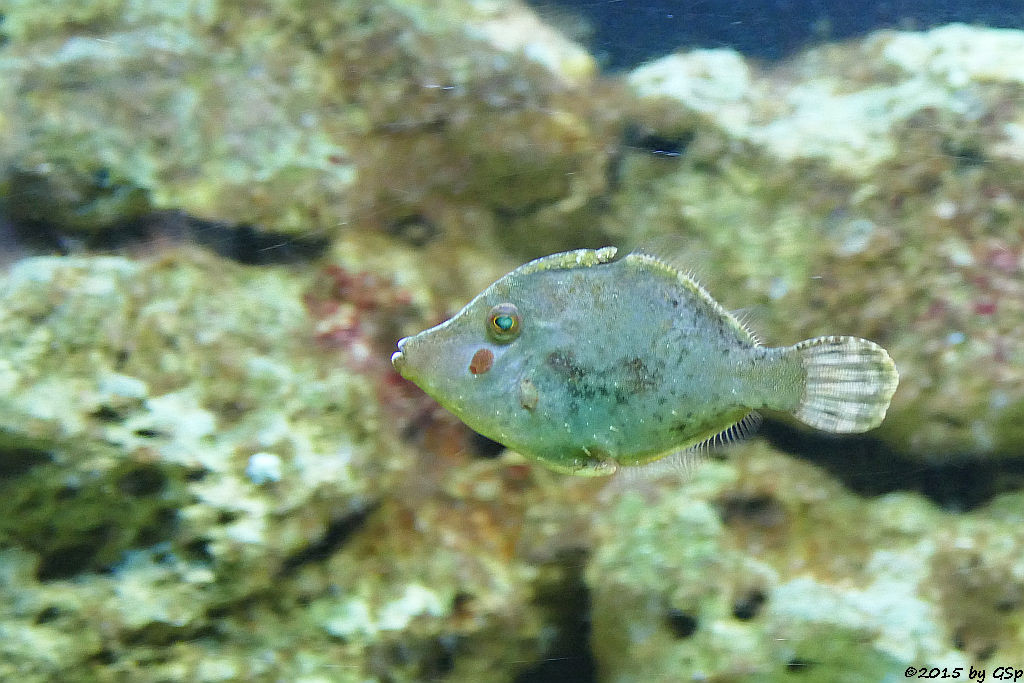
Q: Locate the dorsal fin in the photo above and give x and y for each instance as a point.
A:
(690, 283)
(744, 316)
(681, 260)
(577, 258)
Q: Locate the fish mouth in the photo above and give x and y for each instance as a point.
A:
(397, 358)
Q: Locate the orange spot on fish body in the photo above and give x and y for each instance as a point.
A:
(482, 361)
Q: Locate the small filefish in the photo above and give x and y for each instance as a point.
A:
(586, 363)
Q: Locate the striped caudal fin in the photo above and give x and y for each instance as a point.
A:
(848, 385)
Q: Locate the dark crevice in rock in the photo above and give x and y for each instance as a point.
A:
(160, 527)
(64, 561)
(869, 467)
(107, 415)
(682, 624)
(565, 598)
(748, 605)
(81, 206)
(414, 229)
(798, 666)
(145, 480)
(636, 137)
(338, 532)
(47, 615)
(665, 145)
(104, 657)
(440, 659)
(243, 243)
(246, 244)
(758, 510)
(162, 634)
(78, 523)
(15, 462)
(483, 447)
(198, 550)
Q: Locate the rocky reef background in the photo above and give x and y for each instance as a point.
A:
(217, 218)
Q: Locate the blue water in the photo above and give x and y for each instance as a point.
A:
(626, 32)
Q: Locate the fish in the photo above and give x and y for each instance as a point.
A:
(586, 362)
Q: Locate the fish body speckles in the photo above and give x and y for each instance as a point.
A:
(596, 362)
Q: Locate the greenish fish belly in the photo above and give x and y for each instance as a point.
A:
(638, 409)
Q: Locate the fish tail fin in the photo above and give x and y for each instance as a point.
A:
(848, 383)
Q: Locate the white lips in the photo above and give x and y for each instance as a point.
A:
(397, 359)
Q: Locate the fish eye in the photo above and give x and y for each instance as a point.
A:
(503, 323)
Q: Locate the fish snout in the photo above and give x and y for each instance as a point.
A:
(398, 359)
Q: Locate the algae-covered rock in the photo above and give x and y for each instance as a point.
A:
(764, 569)
(294, 118)
(135, 395)
(151, 378)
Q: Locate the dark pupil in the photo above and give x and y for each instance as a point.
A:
(504, 322)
